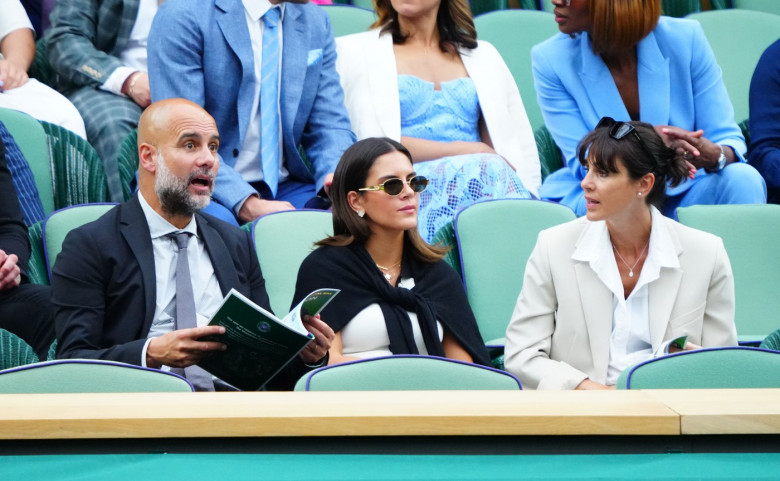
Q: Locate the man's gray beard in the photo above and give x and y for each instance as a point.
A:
(173, 192)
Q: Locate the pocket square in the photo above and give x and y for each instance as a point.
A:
(314, 56)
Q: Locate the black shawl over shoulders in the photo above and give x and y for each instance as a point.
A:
(437, 295)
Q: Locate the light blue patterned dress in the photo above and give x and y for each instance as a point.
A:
(457, 181)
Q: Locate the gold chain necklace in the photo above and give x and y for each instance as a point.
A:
(386, 270)
(631, 268)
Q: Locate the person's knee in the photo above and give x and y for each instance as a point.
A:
(743, 182)
(115, 126)
(105, 114)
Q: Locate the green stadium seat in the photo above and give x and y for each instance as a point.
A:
(716, 368)
(406, 373)
(495, 239)
(750, 234)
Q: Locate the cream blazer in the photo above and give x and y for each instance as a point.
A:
(366, 65)
(560, 330)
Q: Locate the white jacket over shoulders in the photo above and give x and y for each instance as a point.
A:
(366, 65)
(560, 330)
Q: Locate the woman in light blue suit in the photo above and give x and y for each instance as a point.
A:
(620, 58)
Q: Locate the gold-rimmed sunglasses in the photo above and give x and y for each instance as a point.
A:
(395, 186)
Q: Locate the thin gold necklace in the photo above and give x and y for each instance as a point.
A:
(631, 268)
(386, 270)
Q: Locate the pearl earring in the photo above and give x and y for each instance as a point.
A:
(639, 194)
(361, 213)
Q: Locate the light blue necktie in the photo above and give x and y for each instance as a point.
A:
(269, 100)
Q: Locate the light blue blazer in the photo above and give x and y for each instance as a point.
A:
(202, 51)
(680, 84)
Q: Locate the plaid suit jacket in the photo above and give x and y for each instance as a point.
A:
(86, 38)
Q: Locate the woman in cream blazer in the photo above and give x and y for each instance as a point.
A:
(566, 332)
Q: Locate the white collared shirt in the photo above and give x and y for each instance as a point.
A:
(630, 339)
(134, 56)
(248, 163)
(205, 287)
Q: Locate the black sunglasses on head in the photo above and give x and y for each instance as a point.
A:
(618, 130)
(395, 185)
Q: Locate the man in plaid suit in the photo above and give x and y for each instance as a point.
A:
(98, 48)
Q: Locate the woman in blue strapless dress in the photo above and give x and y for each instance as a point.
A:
(451, 114)
(422, 78)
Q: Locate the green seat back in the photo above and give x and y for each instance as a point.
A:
(550, 156)
(680, 8)
(41, 69)
(495, 239)
(768, 6)
(88, 376)
(738, 51)
(77, 170)
(282, 241)
(744, 126)
(60, 222)
(445, 237)
(526, 4)
(367, 4)
(31, 138)
(346, 19)
(716, 368)
(406, 373)
(750, 234)
(513, 33)
(76, 173)
(128, 161)
(66, 168)
(14, 351)
(772, 341)
(52, 354)
(478, 7)
(37, 270)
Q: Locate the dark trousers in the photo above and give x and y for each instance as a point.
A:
(26, 311)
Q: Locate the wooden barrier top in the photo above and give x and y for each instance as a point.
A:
(390, 413)
(724, 411)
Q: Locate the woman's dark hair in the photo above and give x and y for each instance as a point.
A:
(618, 25)
(351, 174)
(643, 153)
(453, 20)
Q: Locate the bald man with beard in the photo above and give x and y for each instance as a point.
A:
(113, 284)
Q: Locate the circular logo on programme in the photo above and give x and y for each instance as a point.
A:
(263, 326)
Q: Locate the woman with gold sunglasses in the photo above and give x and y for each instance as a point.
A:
(397, 295)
